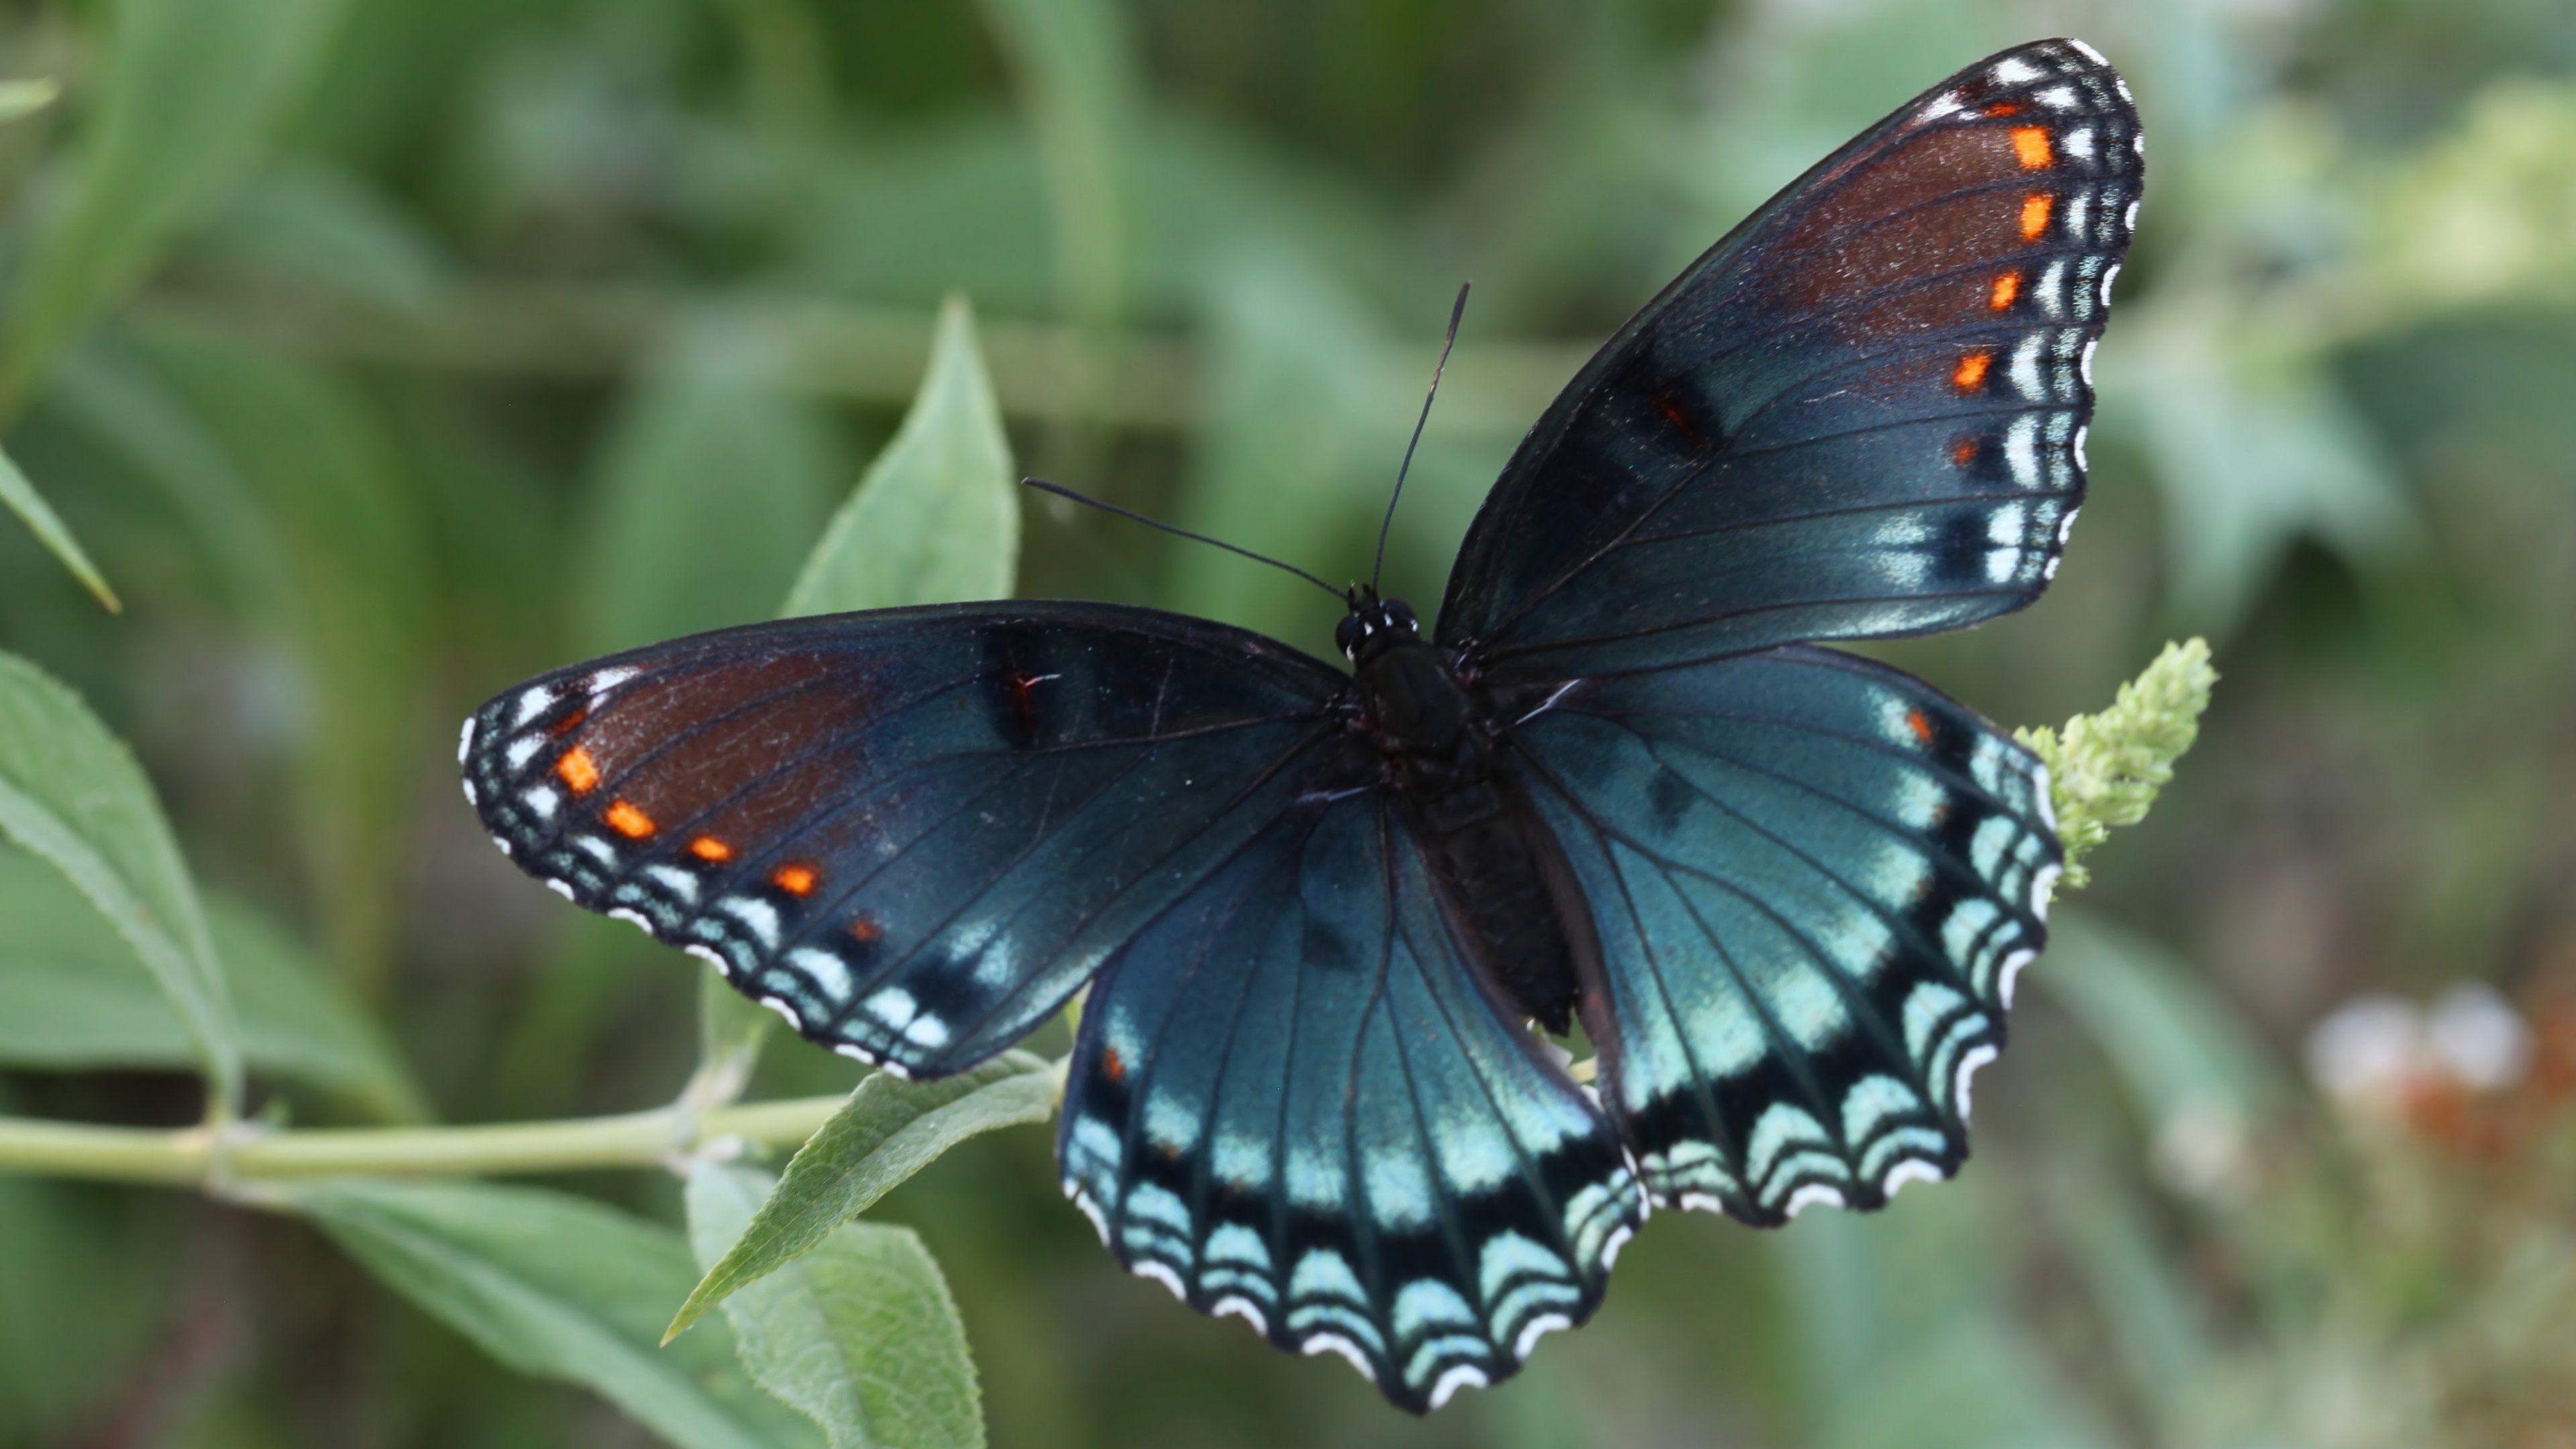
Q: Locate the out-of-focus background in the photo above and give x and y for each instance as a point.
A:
(385, 351)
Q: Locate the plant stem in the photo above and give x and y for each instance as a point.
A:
(190, 1157)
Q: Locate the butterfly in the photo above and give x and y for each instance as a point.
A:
(1326, 916)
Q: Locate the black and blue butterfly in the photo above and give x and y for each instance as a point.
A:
(1327, 918)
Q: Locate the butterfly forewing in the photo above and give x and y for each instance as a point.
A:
(1292, 1102)
(913, 832)
(1861, 414)
(1815, 879)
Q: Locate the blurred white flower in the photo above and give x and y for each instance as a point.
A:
(2477, 1036)
(2375, 1047)
(2202, 1150)
(2366, 1047)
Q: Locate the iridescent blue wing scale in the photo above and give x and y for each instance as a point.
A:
(1861, 414)
(1814, 879)
(1291, 1102)
(914, 832)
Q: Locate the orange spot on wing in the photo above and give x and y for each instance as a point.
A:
(2005, 291)
(2034, 214)
(578, 770)
(1963, 452)
(1674, 414)
(569, 722)
(1971, 371)
(2030, 147)
(796, 880)
(710, 850)
(1113, 1066)
(866, 931)
(1922, 727)
(2004, 108)
(628, 821)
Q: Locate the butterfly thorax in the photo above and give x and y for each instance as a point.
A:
(1502, 878)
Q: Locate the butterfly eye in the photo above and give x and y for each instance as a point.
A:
(1399, 615)
(1346, 635)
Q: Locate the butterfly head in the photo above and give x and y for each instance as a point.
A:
(1374, 626)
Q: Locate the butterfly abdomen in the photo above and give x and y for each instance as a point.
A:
(1503, 885)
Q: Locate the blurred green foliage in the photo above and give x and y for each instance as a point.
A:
(380, 352)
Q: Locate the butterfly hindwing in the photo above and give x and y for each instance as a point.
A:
(1861, 414)
(1291, 1102)
(913, 832)
(1814, 879)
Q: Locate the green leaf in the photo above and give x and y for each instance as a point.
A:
(858, 1335)
(194, 89)
(2184, 1053)
(42, 521)
(710, 488)
(1913, 1302)
(1075, 68)
(71, 793)
(72, 997)
(328, 487)
(558, 1287)
(2255, 449)
(2142, 1298)
(1305, 426)
(887, 1131)
(26, 97)
(937, 517)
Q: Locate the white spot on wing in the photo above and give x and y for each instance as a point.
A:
(1335, 1343)
(2086, 51)
(1244, 1308)
(1975, 1057)
(2025, 367)
(1464, 1376)
(465, 740)
(532, 704)
(1536, 1329)
(2013, 71)
(758, 915)
(2011, 972)
(1611, 1245)
(1810, 1195)
(1163, 1274)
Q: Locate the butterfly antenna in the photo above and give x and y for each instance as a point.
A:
(1060, 491)
(1456, 311)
